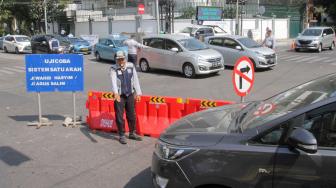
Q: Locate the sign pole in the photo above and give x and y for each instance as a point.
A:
(74, 107)
(241, 99)
(39, 109)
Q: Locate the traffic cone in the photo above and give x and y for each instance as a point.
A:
(293, 45)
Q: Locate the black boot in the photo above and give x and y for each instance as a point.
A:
(122, 140)
(134, 136)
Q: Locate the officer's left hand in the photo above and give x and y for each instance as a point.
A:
(137, 98)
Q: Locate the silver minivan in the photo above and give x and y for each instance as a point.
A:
(316, 38)
(179, 53)
(234, 47)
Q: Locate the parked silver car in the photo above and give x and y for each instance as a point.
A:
(234, 47)
(17, 44)
(179, 53)
(316, 38)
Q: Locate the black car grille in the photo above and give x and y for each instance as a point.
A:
(305, 41)
(214, 60)
(270, 56)
(27, 48)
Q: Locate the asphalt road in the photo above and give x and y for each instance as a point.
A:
(56, 156)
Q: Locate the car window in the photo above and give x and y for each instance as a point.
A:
(201, 31)
(322, 124)
(312, 32)
(157, 43)
(22, 39)
(171, 44)
(229, 43)
(146, 42)
(119, 42)
(192, 44)
(109, 42)
(218, 30)
(249, 43)
(272, 137)
(208, 31)
(216, 41)
(102, 41)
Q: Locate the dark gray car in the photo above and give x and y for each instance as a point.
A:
(288, 140)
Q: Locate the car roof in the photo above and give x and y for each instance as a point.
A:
(319, 27)
(228, 36)
(169, 36)
(18, 36)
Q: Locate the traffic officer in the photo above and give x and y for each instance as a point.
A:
(126, 88)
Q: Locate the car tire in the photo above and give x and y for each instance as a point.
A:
(332, 46)
(189, 70)
(319, 49)
(5, 49)
(98, 58)
(17, 51)
(144, 66)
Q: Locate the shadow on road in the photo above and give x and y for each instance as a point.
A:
(179, 74)
(12, 157)
(88, 133)
(141, 180)
(29, 118)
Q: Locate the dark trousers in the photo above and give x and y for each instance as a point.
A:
(132, 58)
(128, 104)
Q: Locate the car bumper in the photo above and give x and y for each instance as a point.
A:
(168, 174)
(266, 63)
(307, 46)
(208, 70)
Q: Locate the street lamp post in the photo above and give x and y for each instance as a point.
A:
(237, 17)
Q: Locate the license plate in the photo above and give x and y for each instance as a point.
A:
(216, 64)
(84, 49)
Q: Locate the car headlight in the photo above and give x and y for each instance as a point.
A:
(172, 152)
(202, 60)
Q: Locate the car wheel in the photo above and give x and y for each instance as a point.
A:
(332, 46)
(144, 67)
(5, 49)
(188, 70)
(319, 50)
(17, 51)
(98, 58)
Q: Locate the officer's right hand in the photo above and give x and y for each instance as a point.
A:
(117, 97)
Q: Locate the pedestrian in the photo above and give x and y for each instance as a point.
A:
(133, 47)
(269, 40)
(126, 89)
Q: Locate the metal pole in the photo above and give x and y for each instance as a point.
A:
(237, 17)
(74, 107)
(241, 99)
(157, 16)
(45, 16)
(39, 108)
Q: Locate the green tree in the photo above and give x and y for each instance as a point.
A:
(188, 13)
(329, 5)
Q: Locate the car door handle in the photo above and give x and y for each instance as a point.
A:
(264, 171)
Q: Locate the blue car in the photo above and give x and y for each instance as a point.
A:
(79, 45)
(107, 47)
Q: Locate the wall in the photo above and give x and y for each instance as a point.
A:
(257, 26)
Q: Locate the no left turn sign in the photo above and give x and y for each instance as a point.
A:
(243, 76)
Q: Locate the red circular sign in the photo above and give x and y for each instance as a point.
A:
(141, 9)
(265, 109)
(243, 76)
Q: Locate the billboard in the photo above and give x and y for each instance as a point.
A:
(209, 13)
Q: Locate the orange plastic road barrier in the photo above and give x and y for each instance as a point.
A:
(155, 114)
(101, 112)
(195, 105)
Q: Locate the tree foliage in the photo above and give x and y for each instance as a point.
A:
(329, 5)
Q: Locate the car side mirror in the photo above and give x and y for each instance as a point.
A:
(44, 42)
(324, 34)
(238, 48)
(111, 45)
(174, 50)
(303, 140)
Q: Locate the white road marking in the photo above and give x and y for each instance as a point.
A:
(13, 69)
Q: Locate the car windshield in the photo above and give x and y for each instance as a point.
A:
(312, 32)
(289, 101)
(218, 29)
(189, 30)
(192, 44)
(119, 42)
(22, 39)
(249, 43)
(78, 40)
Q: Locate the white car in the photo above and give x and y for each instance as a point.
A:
(199, 31)
(17, 44)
